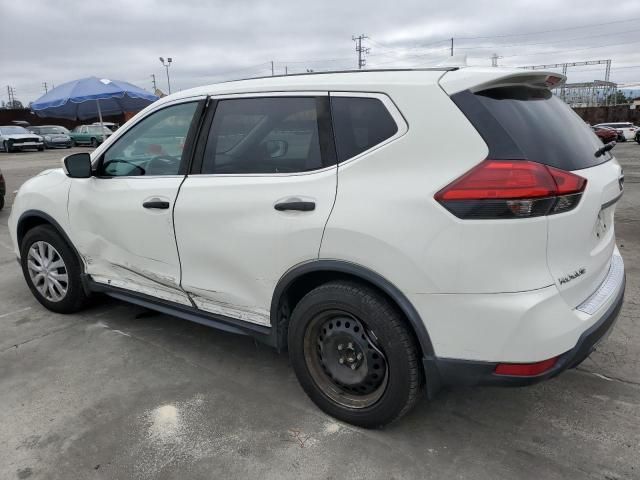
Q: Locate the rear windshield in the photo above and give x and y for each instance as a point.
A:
(531, 123)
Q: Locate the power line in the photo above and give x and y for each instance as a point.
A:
(551, 30)
(553, 52)
(547, 43)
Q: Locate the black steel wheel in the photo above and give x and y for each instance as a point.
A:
(354, 355)
(344, 360)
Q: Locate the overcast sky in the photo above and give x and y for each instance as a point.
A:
(210, 41)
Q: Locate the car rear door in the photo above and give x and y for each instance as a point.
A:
(257, 201)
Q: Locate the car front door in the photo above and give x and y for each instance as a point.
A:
(258, 201)
(121, 218)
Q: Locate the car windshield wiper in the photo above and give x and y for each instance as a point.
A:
(604, 149)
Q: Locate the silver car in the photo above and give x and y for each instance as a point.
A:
(14, 138)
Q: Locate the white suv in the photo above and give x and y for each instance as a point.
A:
(331, 215)
(627, 129)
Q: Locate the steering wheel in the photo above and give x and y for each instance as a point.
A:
(162, 164)
(117, 160)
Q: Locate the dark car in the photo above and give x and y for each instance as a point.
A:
(3, 190)
(54, 136)
(605, 134)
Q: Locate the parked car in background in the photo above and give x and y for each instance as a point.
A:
(628, 129)
(13, 137)
(3, 190)
(110, 125)
(54, 136)
(304, 211)
(605, 134)
(92, 135)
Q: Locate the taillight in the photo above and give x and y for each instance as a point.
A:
(511, 189)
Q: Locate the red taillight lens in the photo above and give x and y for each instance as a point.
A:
(511, 188)
(525, 369)
(501, 179)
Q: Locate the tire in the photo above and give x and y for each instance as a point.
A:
(1, 202)
(6, 146)
(74, 298)
(73, 143)
(353, 354)
(40, 149)
(94, 142)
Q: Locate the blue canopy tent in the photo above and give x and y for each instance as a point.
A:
(92, 97)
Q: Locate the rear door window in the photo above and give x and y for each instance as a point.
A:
(360, 123)
(269, 135)
(521, 122)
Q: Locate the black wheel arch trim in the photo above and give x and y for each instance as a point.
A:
(356, 270)
(48, 219)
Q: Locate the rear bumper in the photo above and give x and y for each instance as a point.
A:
(453, 372)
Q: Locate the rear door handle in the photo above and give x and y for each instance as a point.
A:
(296, 205)
(159, 204)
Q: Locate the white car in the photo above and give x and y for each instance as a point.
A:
(323, 214)
(628, 129)
(13, 137)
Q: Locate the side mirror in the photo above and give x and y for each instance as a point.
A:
(276, 148)
(77, 165)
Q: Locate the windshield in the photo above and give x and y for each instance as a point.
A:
(51, 130)
(96, 129)
(13, 130)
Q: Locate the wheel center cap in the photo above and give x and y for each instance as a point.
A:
(349, 355)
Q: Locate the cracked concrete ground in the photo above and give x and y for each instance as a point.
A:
(116, 393)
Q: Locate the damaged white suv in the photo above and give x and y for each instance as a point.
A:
(325, 214)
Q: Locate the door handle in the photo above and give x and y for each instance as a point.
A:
(159, 204)
(295, 205)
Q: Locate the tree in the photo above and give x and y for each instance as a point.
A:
(617, 98)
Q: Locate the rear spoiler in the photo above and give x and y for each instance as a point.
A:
(477, 79)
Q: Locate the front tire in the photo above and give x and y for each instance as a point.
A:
(6, 146)
(94, 142)
(1, 202)
(52, 270)
(353, 354)
(73, 143)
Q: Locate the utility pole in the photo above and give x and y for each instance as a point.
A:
(452, 46)
(11, 92)
(494, 60)
(167, 65)
(272, 72)
(362, 51)
(44, 84)
(153, 80)
(286, 70)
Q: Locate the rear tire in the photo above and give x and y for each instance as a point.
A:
(52, 270)
(73, 144)
(353, 354)
(94, 142)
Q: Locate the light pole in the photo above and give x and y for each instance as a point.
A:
(167, 65)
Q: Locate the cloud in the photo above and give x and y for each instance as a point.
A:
(211, 41)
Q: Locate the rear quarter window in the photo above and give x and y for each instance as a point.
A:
(533, 124)
(360, 123)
